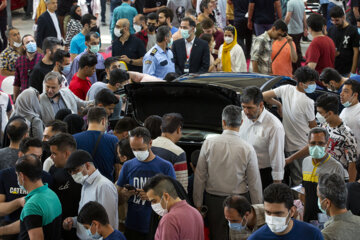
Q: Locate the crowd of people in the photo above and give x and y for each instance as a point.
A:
(73, 165)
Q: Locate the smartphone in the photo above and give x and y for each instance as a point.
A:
(129, 187)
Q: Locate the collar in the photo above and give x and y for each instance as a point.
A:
(37, 190)
(90, 179)
(322, 162)
(231, 132)
(180, 204)
(125, 4)
(267, 37)
(262, 116)
(50, 12)
(342, 216)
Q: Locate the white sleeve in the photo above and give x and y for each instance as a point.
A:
(279, 91)
(310, 110)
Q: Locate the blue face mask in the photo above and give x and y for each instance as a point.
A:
(359, 30)
(93, 236)
(319, 206)
(66, 69)
(31, 47)
(311, 88)
(317, 152)
(184, 33)
(236, 226)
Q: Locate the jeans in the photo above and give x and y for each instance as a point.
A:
(103, 10)
(261, 28)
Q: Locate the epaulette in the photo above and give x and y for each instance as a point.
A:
(153, 52)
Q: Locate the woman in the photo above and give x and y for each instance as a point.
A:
(28, 106)
(74, 26)
(209, 38)
(231, 54)
(206, 8)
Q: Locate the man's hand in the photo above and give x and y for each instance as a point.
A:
(127, 193)
(124, 58)
(142, 194)
(288, 160)
(250, 25)
(306, 33)
(68, 223)
(279, 110)
(289, 39)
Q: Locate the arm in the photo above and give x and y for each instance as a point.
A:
(149, 10)
(312, 124)
(305, 25)
(181, 170)
(276, 153)
(253, 178)
(205, 60)
(177, 68)
(312, 65)
(304, 152)
(36, 234)
(288, 17)
(5, 72)
(8, 207)
(269, 98)
(13, 228)
(200, 177)
(3, 4)
(73, 56)
(277, 7)
(117, 167)
(293, 53)
(16, 92)
(352, 172)
(255, 67)
(355, 59)
(250, 15)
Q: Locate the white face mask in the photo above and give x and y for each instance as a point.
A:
(228, 40)
(137, 28)
(159, 209)
(79, 178)
(117, 32)
(276, 224)
(320, 118)
(17, 44)
(141, 155)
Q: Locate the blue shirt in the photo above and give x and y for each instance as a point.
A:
(173, 30)
(300, 231)
(115, 235)
(158, 62)
(123, 11)
(77, 44)
(105, 156)
(136, 173)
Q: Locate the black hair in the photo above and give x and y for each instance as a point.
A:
(306, 74)
(93, 211)
(162, 32)
(168, 13)
(328, 102)
(279, 193)
(106, 97)
(60, 54)
(171, 122)
(152, 16)
(171, 76)
(336, 12)
(230, 29)
(63, 141)
(207, 23)
(206, 37)
(239, 203)
(109, 61)
(57, 126)
(153, 124)
(28, 142)
(88, 59)
(203, 5)
(30, 166)
(86, 19)
(26, 35)
(315, 22)
(160, 184)
(75, 123)
(355, 86)
(125, 149)
(195, 157)
(50, 43)
(125, 124)
(191, 11)
(91, 34)
(62, 113)
(190, 20)
(330, 74)
(280, 25)
(16, 130)
(141, 132)
(96, 114)
(73, 13)
(118, 76)
(253, 94)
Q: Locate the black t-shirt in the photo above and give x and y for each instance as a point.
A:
(345, 40)
(263, 11)
(37, 75)
(154, 3)
(353, 203)
(133, 48)
(240, 9)
(10, 188)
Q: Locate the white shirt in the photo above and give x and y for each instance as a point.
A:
(56, 24)
(99, 189)
(48, 163)
(188, 46)
(351, 117)
(238, 61)
(267, 136)
(298, 110)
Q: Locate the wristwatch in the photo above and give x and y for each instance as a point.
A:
(131, 61)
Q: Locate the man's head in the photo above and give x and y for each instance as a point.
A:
(187, 28)
(172, 124)
(122, 27)
(163, 34)
(28, 43)
(13, 36)
(106, 98)
(92, 41)
(28, 170)
(88, 22)
(315, 23)
(151, 22)
(80, 165)
(118, 78)
(161, 191)
(318, 140)
(306, 79)
(231, 117)
(327, 105)
(237, 210)
(350, 93)
(110, 64)
(93, 217)
(252, 102)
(337, 16)
(279, 29)
(153, 124)
(49, 47)
(17, 130)
(98, 116)
(140, 143)
(51, 5)
(52, 83)
(123, 126)
(331, 79)
(62, 61)
(87, 64)
(208, 26)
(206, 6)
(54, 127)
(124, 150)
(331, 192)
(139, 22)
(165, 16)
(61, 147)
(30, 146)
(191, 13)
(279, 208)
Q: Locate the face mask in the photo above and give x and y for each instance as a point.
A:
(213, 45)
(359, 30)
(66, 69)
(151, 27)
(141, 155)
(170, 43)
(31, 47)
(237, 226)
(79, 178)
(317, 152)
(320, 118)
(276, 224)
(159, 209)
(21, 186)
(94, 48)
(137, 28)
(17, 44)
(184, 33)
(311, 88)
(319, 205)
(347, 104)
(93, 236)
(117, 32)
(228, 40)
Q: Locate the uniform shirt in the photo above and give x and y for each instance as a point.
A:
(267, 136)
(342, 226)
(23, 68)
(227, 165)
(158, 62)
(77, 44)
(261, 52)
(351, 117)
(80, 86)
(8, 58)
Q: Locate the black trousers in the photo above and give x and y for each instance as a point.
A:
(244, 36)
(296, 38)
(266, 177)
(134, 235)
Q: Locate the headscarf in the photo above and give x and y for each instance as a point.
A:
(225, 56)
(73, 14)
(27, 104)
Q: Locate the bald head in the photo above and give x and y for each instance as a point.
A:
(123, 22)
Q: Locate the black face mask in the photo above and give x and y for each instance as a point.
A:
(151, 27)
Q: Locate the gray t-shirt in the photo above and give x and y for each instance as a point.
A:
(151, 41)
(8, 157)
(297, 8)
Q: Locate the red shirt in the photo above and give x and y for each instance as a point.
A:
(322, 52)
(79, 86)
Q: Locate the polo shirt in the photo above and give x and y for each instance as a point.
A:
(77, 44)
(80, 86)
(42, 209)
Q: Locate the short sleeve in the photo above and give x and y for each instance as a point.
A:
(279, 91)
(290, 6)
(149, 4)
(355, 38)
(123, 176)
(171, 171)
(310, 110)
(312, 53)
(255, 49)
(149, 65)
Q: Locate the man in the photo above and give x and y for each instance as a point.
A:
(243, 217)
(318, 163)
(111, 63)
(41, 215)
(10, 54)
(262, 47)
(77, 44)
(217, 180)
(48, 24)
(265, 133)
(333, 81)
(62, 146)
(129, 48)
(298, 113)
(80, 83)
(179, 219)
(165, 17)
(283, 56)
(25, 64)
(153, 6)
(321, 51)
(46, 65)
(124, 11)
(178, 7)
(54, 98)
(102, 146)
(261, 15)
(346, 39)
(93, 216)
(139, 23)
(92, 42)
(62, 65)
(279, 210)
(148, 35)
(17, 130)
(95, 187)
(296, 20)
(354, 12)
(158, 61)
(208, 27)
(191, 54)
(332, 195)
(136, 172)
(110, 102)
(124, 126)
(166, 148)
